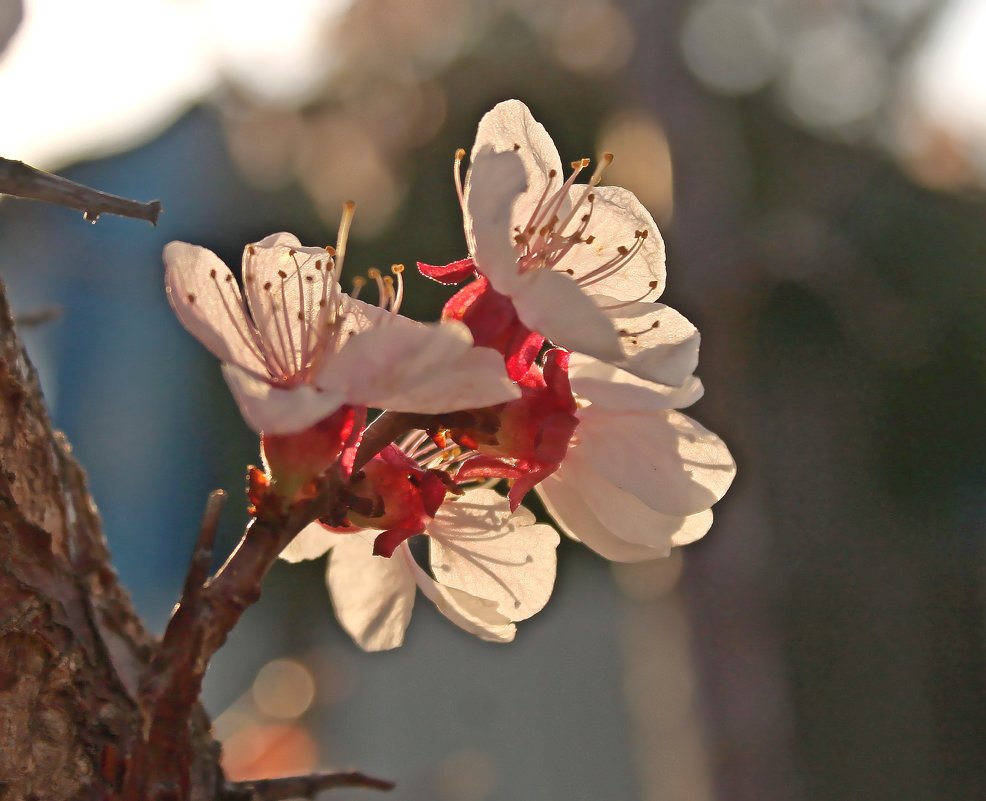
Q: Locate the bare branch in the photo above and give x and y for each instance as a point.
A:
(21, 180)
(38, 317)
(300, 786)
(198, 571)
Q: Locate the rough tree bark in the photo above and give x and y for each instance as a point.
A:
(72, 649)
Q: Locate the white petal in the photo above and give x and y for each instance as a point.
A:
(495, 181)
(207, 300)
(411, 367)
(553, 305)
(373, 596)
(478, 616)
(310, 543)
(477, 546)
(615, 219)
(658, 343)
(356, 316)
(626, 515)
(609, 387)
(285, 285)
(670, 462)
(694, 528)
(579, 522)
(510, 127)
(273, 410)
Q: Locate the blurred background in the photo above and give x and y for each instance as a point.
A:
(817, 168)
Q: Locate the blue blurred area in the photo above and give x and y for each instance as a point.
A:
(143, 404)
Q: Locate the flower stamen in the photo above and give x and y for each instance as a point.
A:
(460, 154)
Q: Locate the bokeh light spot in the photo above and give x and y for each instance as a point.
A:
(730, 46)
(284, 689)
(642, 160)
(592, 36)
(836, 76)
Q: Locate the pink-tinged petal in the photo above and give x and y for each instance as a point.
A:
(356, 316)
(311, 542)
(274, 410)
(480, 547)
(578, 521)
(373, 597)
(607, 386)
(411, 367)
(291, 291)
(615, 220)
(496, 179)
(553, 305)
(478, 616)
(452, 273)
(627, 516)
(510, 127)
(671, 463)
(658, 343)
(207, 301)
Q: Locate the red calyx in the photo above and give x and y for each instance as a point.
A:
(403, 498)
(534, 431)
(295, 461)
(493, 322)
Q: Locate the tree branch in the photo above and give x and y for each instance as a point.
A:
(21, 180)
(299, 786)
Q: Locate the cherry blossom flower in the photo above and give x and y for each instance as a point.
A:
(298, 348)
(488, 568)
(568, 255)
(639, 477)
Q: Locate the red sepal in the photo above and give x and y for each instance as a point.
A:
(453, 273)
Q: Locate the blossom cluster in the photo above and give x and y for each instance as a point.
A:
(553, 369)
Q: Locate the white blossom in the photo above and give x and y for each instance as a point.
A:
(297, 348)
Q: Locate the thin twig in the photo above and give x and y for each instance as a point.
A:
(198, 570)
(39, 316)
(22, 180)
(173, 681)
(300, 786)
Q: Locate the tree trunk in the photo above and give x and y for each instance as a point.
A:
(72, 650)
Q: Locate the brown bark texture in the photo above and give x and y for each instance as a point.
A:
(73, 652)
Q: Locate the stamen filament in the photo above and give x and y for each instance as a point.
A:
(303, 325)
(460, 154)
(398, 271)
(348, 211)
(374, 275)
